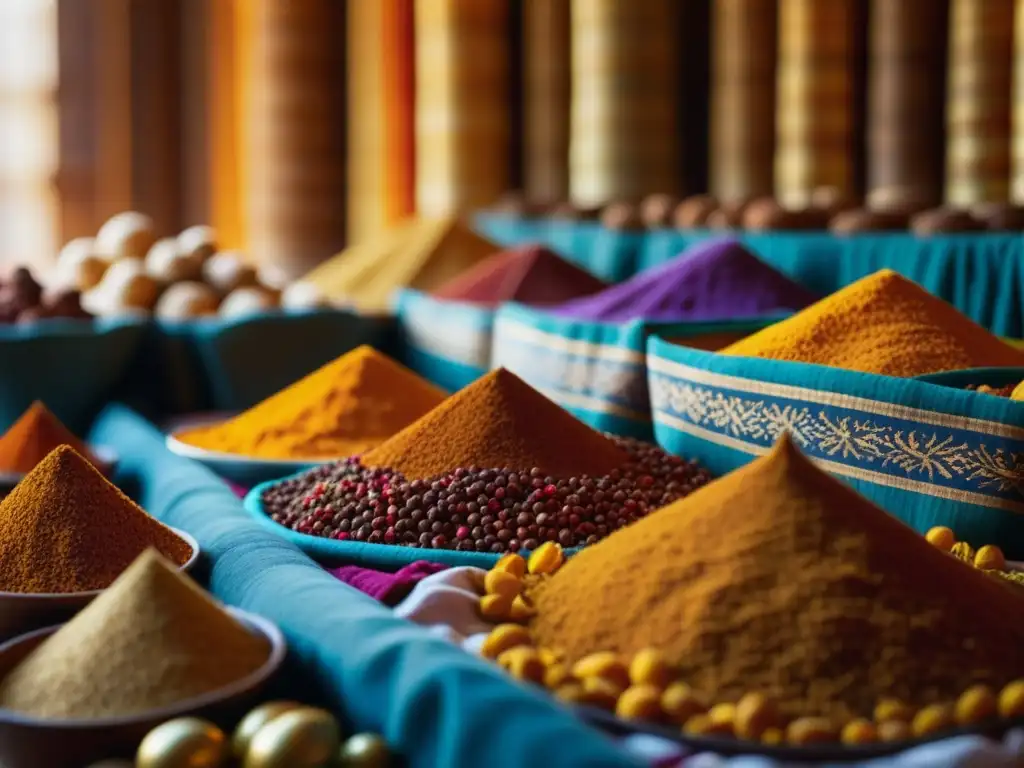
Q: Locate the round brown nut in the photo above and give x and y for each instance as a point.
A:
(727, 216)
(656, 211)
(166, 264)
(864, 220)
(831, 201)
(1000, 217)
(300, 296)
(227, 270)
(621, 216)
(199, 242)
(944, 220)
(249, 300)
(124, 286)
(79, 266)
(125, 235)
(693, 212)
(761, 213)
(183, 301)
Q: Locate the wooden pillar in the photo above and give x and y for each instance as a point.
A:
(546, 84)
(816, 113)
(978, 108)
(1017, 183)
(743, 98)
(463, 119)
(294, 142)
(624, 120)
(906, 97)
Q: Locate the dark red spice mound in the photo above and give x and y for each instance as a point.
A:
(480, 510)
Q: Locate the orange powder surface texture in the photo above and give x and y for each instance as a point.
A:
(780, 579)
(881, 324)
(32, 437)
(340, 410)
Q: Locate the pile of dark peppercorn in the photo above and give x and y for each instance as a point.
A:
(479, 510)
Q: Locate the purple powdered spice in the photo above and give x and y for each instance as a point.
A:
(715, 280)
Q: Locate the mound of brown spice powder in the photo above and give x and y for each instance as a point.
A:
(153, 639)
(780, 579)
(36, 432)
(66, 528)
(498, 421)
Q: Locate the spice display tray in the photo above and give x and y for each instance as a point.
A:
(24, 612)
(29, 742)
(785, 754)
(240, 470)
(387, 557)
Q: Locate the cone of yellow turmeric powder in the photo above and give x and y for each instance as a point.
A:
(36, 432)
(817, 603)
(881, 324)
(342, 409)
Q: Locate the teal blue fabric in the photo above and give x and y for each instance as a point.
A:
(73, 366)
(435, 704)
(230, 365)
(380, 556)
(446, 342)
(594, 370)
(928, 454)
(981, 275)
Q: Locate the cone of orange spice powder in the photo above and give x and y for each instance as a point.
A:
(37, 432)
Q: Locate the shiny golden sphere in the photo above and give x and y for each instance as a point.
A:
(254, 721)
(364, 750)
(187, 742)
(301, 738)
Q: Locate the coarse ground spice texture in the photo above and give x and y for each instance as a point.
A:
(881, 324)
(498, 421)
(32, 436)
(779, 578)
(344, 408)
(66, 528)
(153, 639)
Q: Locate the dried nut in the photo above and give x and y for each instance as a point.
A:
(703, 725)
(495, 608)
(599, 692)
(942, 537)
(521, 610)
(976, 704)
(990, 558)
(640, 702)
(893, 709)
(502, 583)
(756, 713)
(1011, 700)
(166, 264)
(859, 731)
(126, 285)
(127, 235)
(182, 301)
(933, 719)
(227, 270)
(547, 558)
(304, 296)
(512, 563)
(523, 663)
(810, 730)
(571, 693)
(680, 702)
(199, 242)
(773, 736)
(503, 637)
(606, 665)
(650, 667)
(555, 675)
(79, 266)
(894, 730)
(247, 300)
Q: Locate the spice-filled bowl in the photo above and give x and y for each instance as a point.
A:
(241, 470)
(31, 742)
(22, 612)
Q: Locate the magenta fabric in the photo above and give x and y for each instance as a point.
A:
(388, 588)
(714, 280)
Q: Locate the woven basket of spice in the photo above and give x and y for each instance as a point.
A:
(839, 377)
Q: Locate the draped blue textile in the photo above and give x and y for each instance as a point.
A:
(434, 703)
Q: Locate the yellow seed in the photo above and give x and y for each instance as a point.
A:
(893, 709)
(549, 656)
(990, 558)
(894, 730)
(650, 667)
(1011, 700)
(963, 551)
(503, 637)
(547, 558)
(703, 725)
(571, 693)
(606, 665)
(810, 730)
(599, 692)
(773, 736)
(976, 704)
(933, 719)
(680, 702)
(502, 583)
(495, 608)
(523, 663)
(942, 537)
(521, 610)
(555, 675)
(755, 713)
(859, 731)
(511, 563)
(640, 702)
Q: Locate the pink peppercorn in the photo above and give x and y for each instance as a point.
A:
(462, 532)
